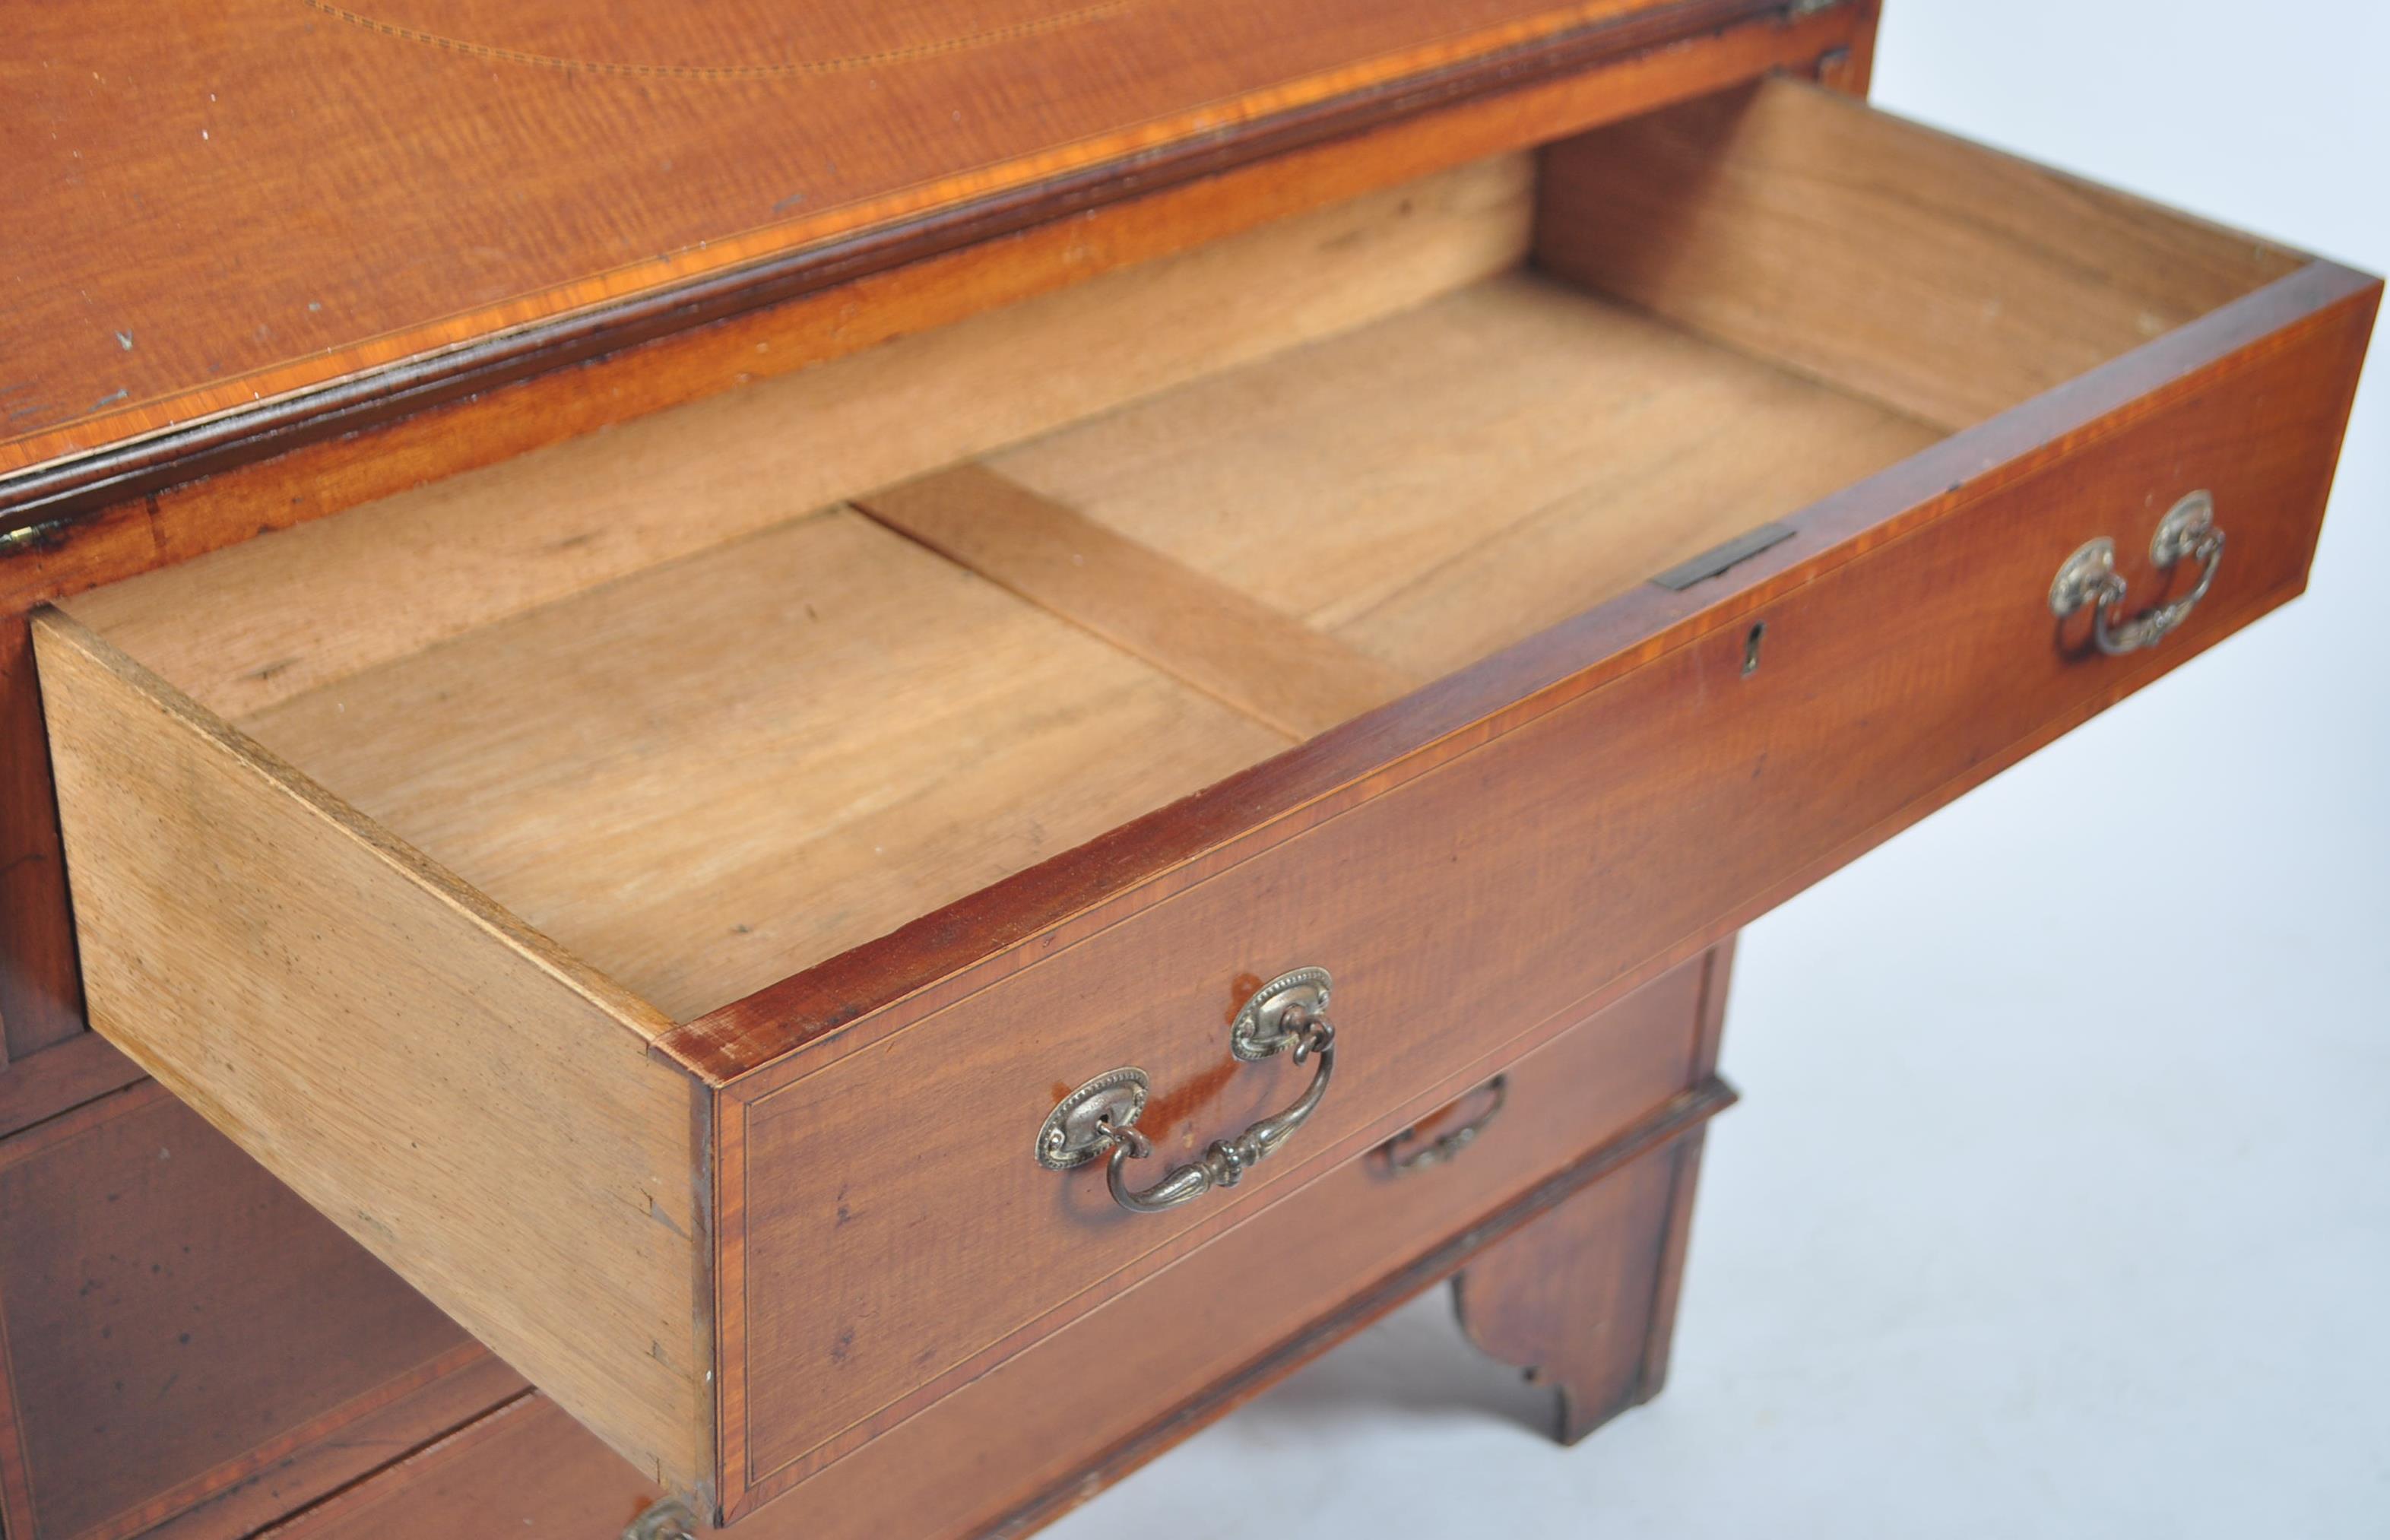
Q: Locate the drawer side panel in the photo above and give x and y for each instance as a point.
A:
(469, 1108)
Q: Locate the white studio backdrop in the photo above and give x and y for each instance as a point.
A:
(2059, 1202)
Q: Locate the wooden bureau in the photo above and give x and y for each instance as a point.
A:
(817, 772)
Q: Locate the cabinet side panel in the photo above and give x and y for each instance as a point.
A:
(40, 1002)
(469, 1104)
(193, 1350)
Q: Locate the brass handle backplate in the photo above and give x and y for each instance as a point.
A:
(1445, 1145)
(1287, 1015)
(2089, 577)
(667, 1519)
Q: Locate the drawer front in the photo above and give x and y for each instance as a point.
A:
(888, 1235)
(886, 1286)
(1160, 1360)
(1123, 1381)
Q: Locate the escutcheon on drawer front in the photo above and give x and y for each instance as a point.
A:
(1518, 633)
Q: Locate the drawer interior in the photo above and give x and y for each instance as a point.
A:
(718, 695)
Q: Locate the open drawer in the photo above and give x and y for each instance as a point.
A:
(655, 893)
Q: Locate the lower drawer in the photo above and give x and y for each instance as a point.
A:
(1605, 1118)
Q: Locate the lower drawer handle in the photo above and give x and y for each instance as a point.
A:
(2089, 577)
(1443, 1146)
(1287, 1015)
(666, 1519)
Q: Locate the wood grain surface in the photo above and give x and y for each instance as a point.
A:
(80, 1069)
(2273, 369)
(1674, 801)
(1428, 490)
(1902, 264)
(1589, 1320)
(41, 988)
(1687, 1159)
(710, 772)
(234, 203)
(192, 1349)
(529, 1462)
(1081, 1408)
(1563, 1300)
(524, 1467)
(1119, 1378)
(474, 1107)
(732, 766)
(299, 456)
(247, 627)
(1673, 762)
(1218, 638)
(176, 493)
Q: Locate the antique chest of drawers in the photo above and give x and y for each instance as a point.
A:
(902, 744)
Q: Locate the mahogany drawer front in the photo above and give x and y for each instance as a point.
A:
(662, 948)
(1614, 1090)
(1602, 1107)
(846, 1322)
